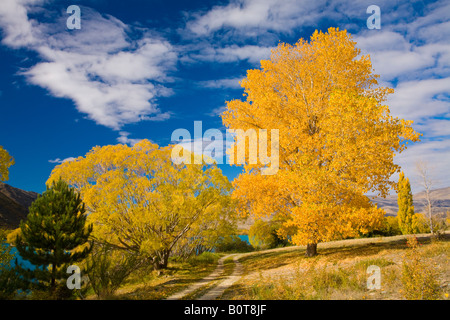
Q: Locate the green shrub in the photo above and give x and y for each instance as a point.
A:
(203, 258)
(263, 235)
(232, 243)
(108, 268)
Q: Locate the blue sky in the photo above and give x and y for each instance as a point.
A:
(141, 69)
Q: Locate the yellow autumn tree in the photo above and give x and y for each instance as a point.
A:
(5, 162)
(139, 200)
(337, 139)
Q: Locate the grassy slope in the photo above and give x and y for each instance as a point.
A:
(339, 270)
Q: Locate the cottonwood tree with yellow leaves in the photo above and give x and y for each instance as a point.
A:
(139, 200)
(337, 139)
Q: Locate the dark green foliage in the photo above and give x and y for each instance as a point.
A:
(54, 236)
(107, 268)
(9, 282)
(390, 227)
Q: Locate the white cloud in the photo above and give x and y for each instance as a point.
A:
(260, 15)
(110, 77)
(436, 153)
(59, 161)
(414, 58)
(232, 83)
(123, 138)
(228, 54)
(217, 111)
(419, 99)
(18, 29)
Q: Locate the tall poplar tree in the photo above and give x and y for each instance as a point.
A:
(54, 235)
(407, 220)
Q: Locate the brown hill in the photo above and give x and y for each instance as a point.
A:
(14, 204)
(440, 202)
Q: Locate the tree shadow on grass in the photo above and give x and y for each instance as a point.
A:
(272, 259)
(371, 248)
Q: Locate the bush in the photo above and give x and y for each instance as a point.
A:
(422, 223)
(108, 268)
(232, 243)
(203, 258)
(263, 235)
(390, 227)
(419, 277)
(9, 282)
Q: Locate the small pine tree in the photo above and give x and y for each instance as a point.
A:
(54, 236)
(407, 220)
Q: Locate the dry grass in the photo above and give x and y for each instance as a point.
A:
(149, 285)
(339, 272)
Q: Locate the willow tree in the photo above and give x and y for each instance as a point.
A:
(140, 200)
(337, 139)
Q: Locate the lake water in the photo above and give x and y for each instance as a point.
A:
(24, 263)
(28, 265)
(244, 237)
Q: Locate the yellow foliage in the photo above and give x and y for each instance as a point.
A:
(5, 162)
(140, 200)
(11, 237)
(337, 139)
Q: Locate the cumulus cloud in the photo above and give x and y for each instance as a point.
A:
(59, 161)
(111, 71)
(206, 52)
(232, 83)
(249, 16)
(123, 138)
(217, 111)
(435, 153)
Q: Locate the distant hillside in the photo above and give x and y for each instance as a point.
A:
(440, 197)
(14, 204)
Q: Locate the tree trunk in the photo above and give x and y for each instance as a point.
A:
(161, 262)
(53, 278)
(311, 250)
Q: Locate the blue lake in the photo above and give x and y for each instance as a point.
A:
(244, 237)
(24, 263)
(28, 265)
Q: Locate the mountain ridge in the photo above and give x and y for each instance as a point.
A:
(440, 201)
(14, 204)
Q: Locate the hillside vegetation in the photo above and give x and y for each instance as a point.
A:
(409, 270)
(338, 272)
